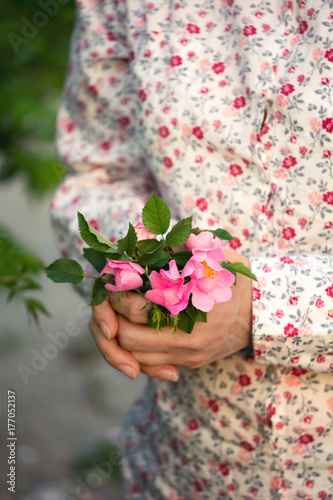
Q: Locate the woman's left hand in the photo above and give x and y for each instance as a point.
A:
(228, 329)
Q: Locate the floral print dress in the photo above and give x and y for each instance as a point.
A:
(224, 108)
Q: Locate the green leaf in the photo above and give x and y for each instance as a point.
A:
(158, 317)
(127, 244)
(179, 233)
(156, 215)
(186, 323)
(34, 307)
(152, 258)
(238, 267)
(95, 258)
(200, 315)
(157, 266)
(148, 246)
(65, 271)
(182, 257)
(99, 292)
(91, 236)
(222, 234)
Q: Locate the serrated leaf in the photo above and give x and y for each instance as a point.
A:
(222, 234)
(186, 323)
(182, 257)
(127, 244)
(179, 233)
(91, 236)
(152, 258)
(239, 267)
(156, 215)
(99, 292)
(65, 270)
(161, 263)
(95, 258)
(148, 246)
(200, 315)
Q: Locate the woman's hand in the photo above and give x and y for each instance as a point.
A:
(130, 346)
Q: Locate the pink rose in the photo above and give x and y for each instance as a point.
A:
(206, 248)
(169, 290)
(126, 275)
(210, 286)
(143, 233)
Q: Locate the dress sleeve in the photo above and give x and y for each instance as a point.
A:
(293, 311)
(108, 179)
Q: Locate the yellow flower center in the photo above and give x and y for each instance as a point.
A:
(208, 270)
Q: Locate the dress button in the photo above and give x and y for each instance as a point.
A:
(267, 73)
(264, 176)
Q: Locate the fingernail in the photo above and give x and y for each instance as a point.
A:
(127, 370)
(167, 374)
(105, 329)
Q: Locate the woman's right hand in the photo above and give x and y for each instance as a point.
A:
(104, 328)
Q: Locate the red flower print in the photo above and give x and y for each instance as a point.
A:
(326, 153)
(224, 469)
(329, 55)
(298, 372)
(303, 150)
(249, 30)
(328, 197)
(235, 243)
(290, 330)
(271, 410)
(239, 102)
(192, 425)
(256, 294)
(106, 145)
(142, 95)
(287, 89)
(322, 495)
(266, 27)
(293, 301)
(245, 233)
(202, 204)
(163, 131)
(325, 81)
(235, 170)
(218, 68)
(310, 12)
(329, 291)
(193, 28)
(197, 486)
(279, 313)
(287, 395)
(303, 26)
(321, 359)
(288, 233)
(244, 380)
(123, 121)
(301, 78)
(289, 161)
(286, 260)
(306, 439)
(197, 131)
(175, 61)
(167, 162)
(213, 405)
(328, 125)
(246, 445)
(320, 429)
(320, 303)
(302, 222)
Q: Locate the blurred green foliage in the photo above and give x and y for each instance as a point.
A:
(34, 46)
(34, 51)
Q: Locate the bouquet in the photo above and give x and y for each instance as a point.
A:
(182, 271)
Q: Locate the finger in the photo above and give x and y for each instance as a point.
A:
(131, 305)
(106, 319)
(113, 353)
(169, 373)
(142, 338)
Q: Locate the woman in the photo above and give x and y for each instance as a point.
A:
(225, 110)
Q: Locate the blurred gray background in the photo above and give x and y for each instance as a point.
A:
(70, 403)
